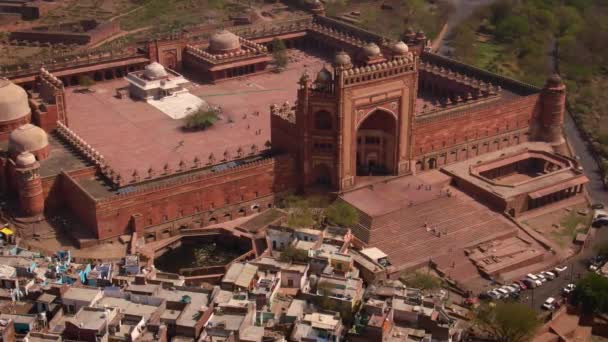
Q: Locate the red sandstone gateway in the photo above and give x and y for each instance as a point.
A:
(379, 107)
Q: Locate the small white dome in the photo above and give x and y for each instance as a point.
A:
(224, 41)
(400, 47)
(371, 50)
(323, 76)
(27, 138)
(342, 59)
(155, 70)
(14, 103)
(25, 159)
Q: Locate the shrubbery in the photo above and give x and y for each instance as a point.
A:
(201, 119)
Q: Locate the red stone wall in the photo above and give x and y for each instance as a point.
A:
(429, 135)
(230, 193)
(282, 136)
(79, 203)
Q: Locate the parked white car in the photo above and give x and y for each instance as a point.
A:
(549, 275)
(541, 277)
(569, 288)
(549, 304)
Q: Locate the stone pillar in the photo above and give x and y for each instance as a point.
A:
(553, 108)
(29, 185)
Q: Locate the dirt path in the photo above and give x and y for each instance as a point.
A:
(463, 9)
(121, 34)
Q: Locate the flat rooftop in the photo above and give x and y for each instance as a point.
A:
(133, 135)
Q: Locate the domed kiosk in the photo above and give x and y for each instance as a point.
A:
(400, 48)
(371, 54)
(14, 107)
(371, 50)
(154, 71)
(342, 60)
(224, 42)
(29, 138)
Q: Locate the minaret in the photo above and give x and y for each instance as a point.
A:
(553, 108)
(29, 185)
(303, 153)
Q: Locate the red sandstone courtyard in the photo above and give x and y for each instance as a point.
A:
(133, 135)
(418, 220)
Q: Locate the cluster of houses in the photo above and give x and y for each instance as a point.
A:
(326, 291)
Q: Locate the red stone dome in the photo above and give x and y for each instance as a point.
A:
(224, 42)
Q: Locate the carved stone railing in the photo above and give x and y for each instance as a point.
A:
(377, 71)
(64, 62)
(250, 49)
(80, 146)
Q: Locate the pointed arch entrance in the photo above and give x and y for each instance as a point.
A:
(376, 152)
(322, 175)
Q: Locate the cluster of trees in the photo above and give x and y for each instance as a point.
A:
(315, 212)
(279, 54)
(201, 119)
(531, 39)
(591, 294)
(529, 31)
(421, 281)
(392, 17)
(506, 321)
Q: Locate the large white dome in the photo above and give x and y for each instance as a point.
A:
(155, 70)
(27, 138)
(14, 103)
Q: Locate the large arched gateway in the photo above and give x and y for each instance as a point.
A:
(376, 148)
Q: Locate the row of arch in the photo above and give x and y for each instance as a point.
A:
(438, 159)
(166, 229)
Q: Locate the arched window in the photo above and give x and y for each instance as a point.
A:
(323, 120)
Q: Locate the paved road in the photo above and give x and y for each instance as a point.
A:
(577, 266)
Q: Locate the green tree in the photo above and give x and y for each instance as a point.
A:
(291, 254)
(591, 294)
(279, 53)
(512, 28)
(421, 281)
(85, 81)
(507, 321)
(341, 214)
(201, 119)
(300, 214)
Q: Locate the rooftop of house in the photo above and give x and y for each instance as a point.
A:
(240, 274)
(89, 318)
(128, 307)
(81, 294)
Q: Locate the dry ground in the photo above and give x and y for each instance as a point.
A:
(561, 226)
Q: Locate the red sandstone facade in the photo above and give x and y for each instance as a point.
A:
(383, 108)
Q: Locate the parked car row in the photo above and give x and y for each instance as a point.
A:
(531, 281)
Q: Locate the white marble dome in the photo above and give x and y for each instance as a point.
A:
(14, 103)
(400, 48)
(224, 41)
(27, 138)
(155, 70)
(371, 50)
(25, 159)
